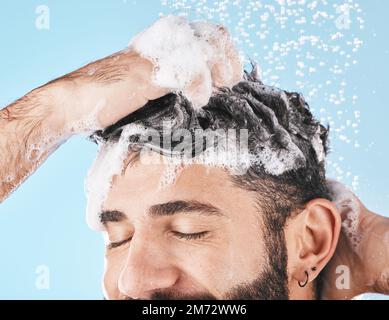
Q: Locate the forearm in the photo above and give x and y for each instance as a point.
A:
(30, 129)
(88, 99)
(109, 89)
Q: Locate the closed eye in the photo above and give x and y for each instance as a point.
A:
(190, 236)
(180, 235)
(114, 245)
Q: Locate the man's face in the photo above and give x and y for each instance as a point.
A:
(199, 237)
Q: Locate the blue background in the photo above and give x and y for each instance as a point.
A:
(43, 222)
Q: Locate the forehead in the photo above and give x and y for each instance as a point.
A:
(144, 184)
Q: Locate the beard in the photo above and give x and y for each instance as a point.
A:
(271, 284)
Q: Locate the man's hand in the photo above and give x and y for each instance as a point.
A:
(92, 98)
(361, 261)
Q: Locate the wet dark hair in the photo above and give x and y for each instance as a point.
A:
(272, 116)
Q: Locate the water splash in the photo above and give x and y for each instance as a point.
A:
(309, 46)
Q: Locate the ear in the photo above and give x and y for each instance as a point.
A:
(315, 233)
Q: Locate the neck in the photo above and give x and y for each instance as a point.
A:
(306, 293)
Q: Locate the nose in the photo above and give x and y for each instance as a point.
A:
(148, 268)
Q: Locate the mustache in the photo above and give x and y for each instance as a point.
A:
(175, 296)
(169, 294)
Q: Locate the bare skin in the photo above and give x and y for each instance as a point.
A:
(368, 264)
(53, 109)
(34, 126)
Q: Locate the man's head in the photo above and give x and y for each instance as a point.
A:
(209, 232)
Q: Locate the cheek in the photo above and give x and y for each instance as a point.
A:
(220, 267)
(113, 267)
(207, 266)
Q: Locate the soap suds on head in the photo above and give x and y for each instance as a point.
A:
(349, 208)
(218, 149)
(318, 146)
(211, 158)
(183, 53)
(171, 173)
(109, 162)
(251, 126)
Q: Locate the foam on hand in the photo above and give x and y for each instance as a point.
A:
(186, 54)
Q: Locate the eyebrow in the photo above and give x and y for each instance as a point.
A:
(166, 209)
(111, 216)
(176, 207)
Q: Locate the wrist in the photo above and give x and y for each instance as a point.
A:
(76, 104)
(59, 98)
